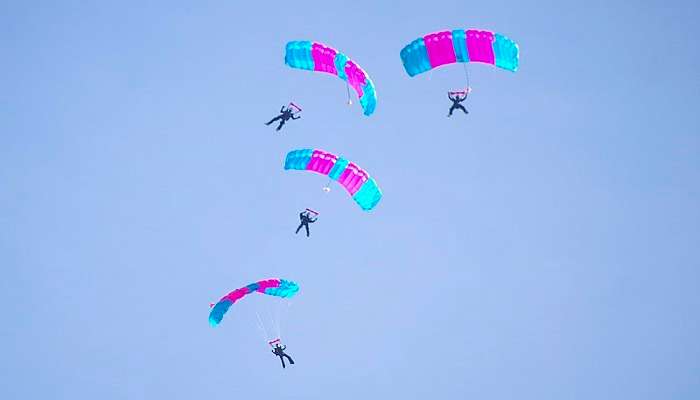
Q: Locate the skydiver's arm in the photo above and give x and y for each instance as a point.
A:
(284, 347)
(297, 116)
(282, 109)
(449, 96)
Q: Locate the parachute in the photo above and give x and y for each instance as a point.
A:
(355, 180)
(273, 287)
(314, 56)
(449, 47)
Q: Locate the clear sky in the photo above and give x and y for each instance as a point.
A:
(546, 246)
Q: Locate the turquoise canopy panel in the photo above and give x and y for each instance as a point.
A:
(369, 195)
(506, 52)
(415, 57)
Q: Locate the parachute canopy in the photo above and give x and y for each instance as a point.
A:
(272, 287)
(313, 56)
(449, 47)
(355, 180)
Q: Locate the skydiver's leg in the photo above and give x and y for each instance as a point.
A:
(451, 109)
(307, 229)
(300, 225)
(273, 120)
(463, 109)
(281, 124)
(291, 362)
(282, 359)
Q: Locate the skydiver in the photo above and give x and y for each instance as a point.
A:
(305, 221)
(456, 100)
(285, 115)
(279, 352)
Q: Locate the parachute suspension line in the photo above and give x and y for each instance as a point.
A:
(276, 320)
(261, 326)
(268, 315)
(327, 187)
(283, 311)
(272, 313)
(271, 316)
(278, 316)
(466, 74)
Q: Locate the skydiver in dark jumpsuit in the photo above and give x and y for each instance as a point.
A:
(305, 221)
(279, 352)
(456, 100)
(285, 115)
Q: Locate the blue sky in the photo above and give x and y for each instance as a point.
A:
(544, 247)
